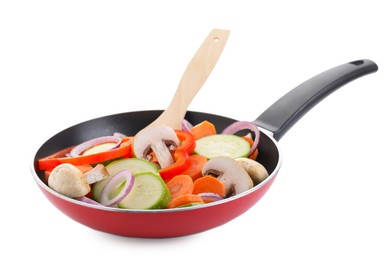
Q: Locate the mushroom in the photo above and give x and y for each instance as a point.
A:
(159, 139)
(255, 169)
(230, 173)
(70, 181)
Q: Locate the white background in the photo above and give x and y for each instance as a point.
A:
(63, 62)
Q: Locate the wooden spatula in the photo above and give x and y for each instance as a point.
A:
(193, 78)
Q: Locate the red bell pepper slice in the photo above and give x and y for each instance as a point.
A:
(187, 141)
(180, 155)
(52, 161)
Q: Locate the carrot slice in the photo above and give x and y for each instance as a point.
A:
(209, 184)
(202, 129)
(180, 185)
(184, 200)
(195, 169)
(255, 153)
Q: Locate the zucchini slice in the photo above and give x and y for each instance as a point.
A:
(228, 145)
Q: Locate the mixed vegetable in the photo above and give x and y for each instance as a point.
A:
(159, 167)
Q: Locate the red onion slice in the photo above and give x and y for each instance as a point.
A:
(98, 173)
(186, 125)
(118, 134)
(114, 183)
(242, 125)
(79, 149)
(208, 197)
(88, 200)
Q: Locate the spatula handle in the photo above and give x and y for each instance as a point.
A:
(201, 65)
(195, 75)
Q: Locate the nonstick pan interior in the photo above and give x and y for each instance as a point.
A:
(130, 123)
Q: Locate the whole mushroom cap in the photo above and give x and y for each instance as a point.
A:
(69, 180)
(256, 170)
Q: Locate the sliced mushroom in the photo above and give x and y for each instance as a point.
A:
(255, 169)
(230, 173)
(158, 139)
(68, 180)
(98, 173)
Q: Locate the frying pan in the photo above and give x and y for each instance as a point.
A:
(273, 124)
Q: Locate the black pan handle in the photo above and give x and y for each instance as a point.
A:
(285, 112)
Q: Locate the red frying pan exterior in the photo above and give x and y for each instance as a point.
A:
(152, 224)
(173, 222)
